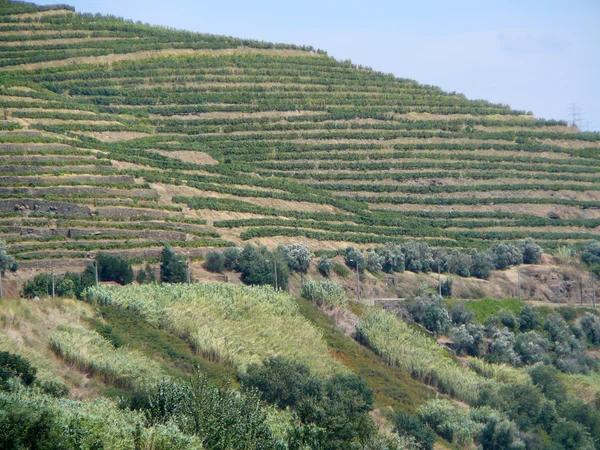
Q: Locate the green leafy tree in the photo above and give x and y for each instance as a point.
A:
(15, 366)
(114, 268)
(215, 262)
(428, 309)
(324, 266)
(172, 268)
(532, 253)
(393, 258)
(532, 348)
(529, 319)
(298, 258)
(482, 264)
(354, 258)
(7, 262)
(39, 286)
(406, 424)
(258, 266)
(500, 434)
(506, 255)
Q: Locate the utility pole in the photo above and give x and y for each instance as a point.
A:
(357, 283)
(52, 280)
(275, 267)
(593, 291)
(518, 282)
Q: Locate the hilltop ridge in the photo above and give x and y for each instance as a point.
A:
(116, 135)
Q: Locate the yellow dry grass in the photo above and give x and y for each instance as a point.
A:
(116, 136)
(25, 326)
(189, 156)
(113, 58)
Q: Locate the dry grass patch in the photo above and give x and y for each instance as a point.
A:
(116, 136)
(189, 156)
(113, 58)
(44, 42)
(40, 14)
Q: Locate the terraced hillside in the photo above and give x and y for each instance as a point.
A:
(121, 136)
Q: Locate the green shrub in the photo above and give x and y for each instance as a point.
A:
(450, 422)
(324, 266)
(172, 268)
(406, 424)
(215, 262)
(324, 293)
(354, 258)
(39, 286)
(532, 253)
(114, 268)
(259, 266)
(15, 366)
(336, 408)
(429, 310)
(342, 271)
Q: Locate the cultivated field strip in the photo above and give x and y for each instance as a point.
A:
(120, 136)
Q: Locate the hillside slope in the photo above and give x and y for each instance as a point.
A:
(121, 136)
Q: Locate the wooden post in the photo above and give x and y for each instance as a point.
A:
(96, 272)
(593, 291)
(580, 290)
(0, 283)
(439, 280)
(52, 280)
(357, 283)
(275, 267)
(189, 278)
(518, 282)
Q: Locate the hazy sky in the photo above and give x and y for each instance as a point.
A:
(536, 55)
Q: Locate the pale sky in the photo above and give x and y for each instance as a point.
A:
(535, 55)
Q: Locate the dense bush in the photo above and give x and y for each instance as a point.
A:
(298, 257)
(590, 324)
(258, 266)
(324, 265)
(220, 417)
(460, 314)
(7, 262)
(231, 258)
(502, 349)
(428, 309)
(39, 286)
(529, 319)
(215, 262)
(482, 264)
(323, 293)
(406, 424)
(506, 255)
(334, 412)
(114, 268)
(532, 348)
(354, 258)
(393, 258)
(15, 366)
(532, 253)
(172, 268)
